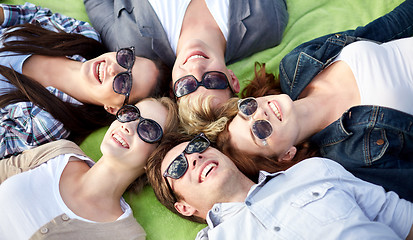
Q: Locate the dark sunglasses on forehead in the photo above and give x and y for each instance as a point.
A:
(122, 83)
(148, 130)
(178, 167)
(262, 129)
(210, 80)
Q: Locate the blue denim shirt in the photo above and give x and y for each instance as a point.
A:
(374, 143)
(301, 65)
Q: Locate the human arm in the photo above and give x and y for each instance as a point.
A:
(1, 15)
(410, 236)
(394, 25)
(30, 13)
(23, 126)
(377, 204)
(102, 16)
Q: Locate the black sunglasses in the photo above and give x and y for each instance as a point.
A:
(262, 129)
(178, 167)
(148, 130)
(122, 83)
(210, 80)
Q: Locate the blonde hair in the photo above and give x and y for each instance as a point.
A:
(199, 115)
(172, 125)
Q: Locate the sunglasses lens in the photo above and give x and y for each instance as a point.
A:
(149, 130)
(262, 129)
(248, 106)
(215, 80)
(178, 167)
(122, 83)
(197, 145)
(125, 58)
(127, 114)
(185, 85)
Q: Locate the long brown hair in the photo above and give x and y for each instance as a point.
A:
(80, 120)
(263, 83)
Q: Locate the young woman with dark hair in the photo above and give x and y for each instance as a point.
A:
(58, 80)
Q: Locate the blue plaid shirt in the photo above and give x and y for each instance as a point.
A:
(24, 125)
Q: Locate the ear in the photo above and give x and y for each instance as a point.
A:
(111, 110)
(289, 155)
(171, 91)
(234, 81)
(184, 208)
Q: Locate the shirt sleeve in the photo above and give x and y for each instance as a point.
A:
(23, 126)
(30, 13)
(377, 204)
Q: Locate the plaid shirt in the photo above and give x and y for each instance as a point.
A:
(24, 125)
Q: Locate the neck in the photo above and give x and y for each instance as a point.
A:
(326, 98)
(198, 23)
(316, 111)
(58, 72)
(108, 181)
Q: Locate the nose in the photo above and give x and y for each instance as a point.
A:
(114, 68)
(260, 113)
(194, 159)
(125, 127)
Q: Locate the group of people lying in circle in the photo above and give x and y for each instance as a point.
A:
(323, 149)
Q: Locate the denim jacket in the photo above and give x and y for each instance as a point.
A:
(302, 64)
(375, 144)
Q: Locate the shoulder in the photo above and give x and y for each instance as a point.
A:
(318, 164)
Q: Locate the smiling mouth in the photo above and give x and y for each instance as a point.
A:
(120, 140)
(197, 55)
(275, 109)
(207, 170)
(99, 71)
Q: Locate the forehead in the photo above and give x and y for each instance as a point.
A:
(172, 154)
(241, 135)
(152, 109)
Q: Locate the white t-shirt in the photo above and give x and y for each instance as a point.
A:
(384, 73)
(171, 15)
(31, 199)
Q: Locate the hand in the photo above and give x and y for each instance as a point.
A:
(1, 16)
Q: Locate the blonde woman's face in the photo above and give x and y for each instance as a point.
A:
(122, 141)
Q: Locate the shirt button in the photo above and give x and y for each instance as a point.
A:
(277, 229)
(65, 217)
(316, 194)
(215, 209)
(380, 142)
(248, 203)
(44, 230)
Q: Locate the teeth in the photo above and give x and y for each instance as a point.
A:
(206, 170)
(275, 110)
(99, 71)
(194, 57)
(120, 140)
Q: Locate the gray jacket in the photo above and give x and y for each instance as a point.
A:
(254, 25)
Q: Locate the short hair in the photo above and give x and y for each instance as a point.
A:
(199, 116)
(155, 176)
(163, 80)
(172, 124)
